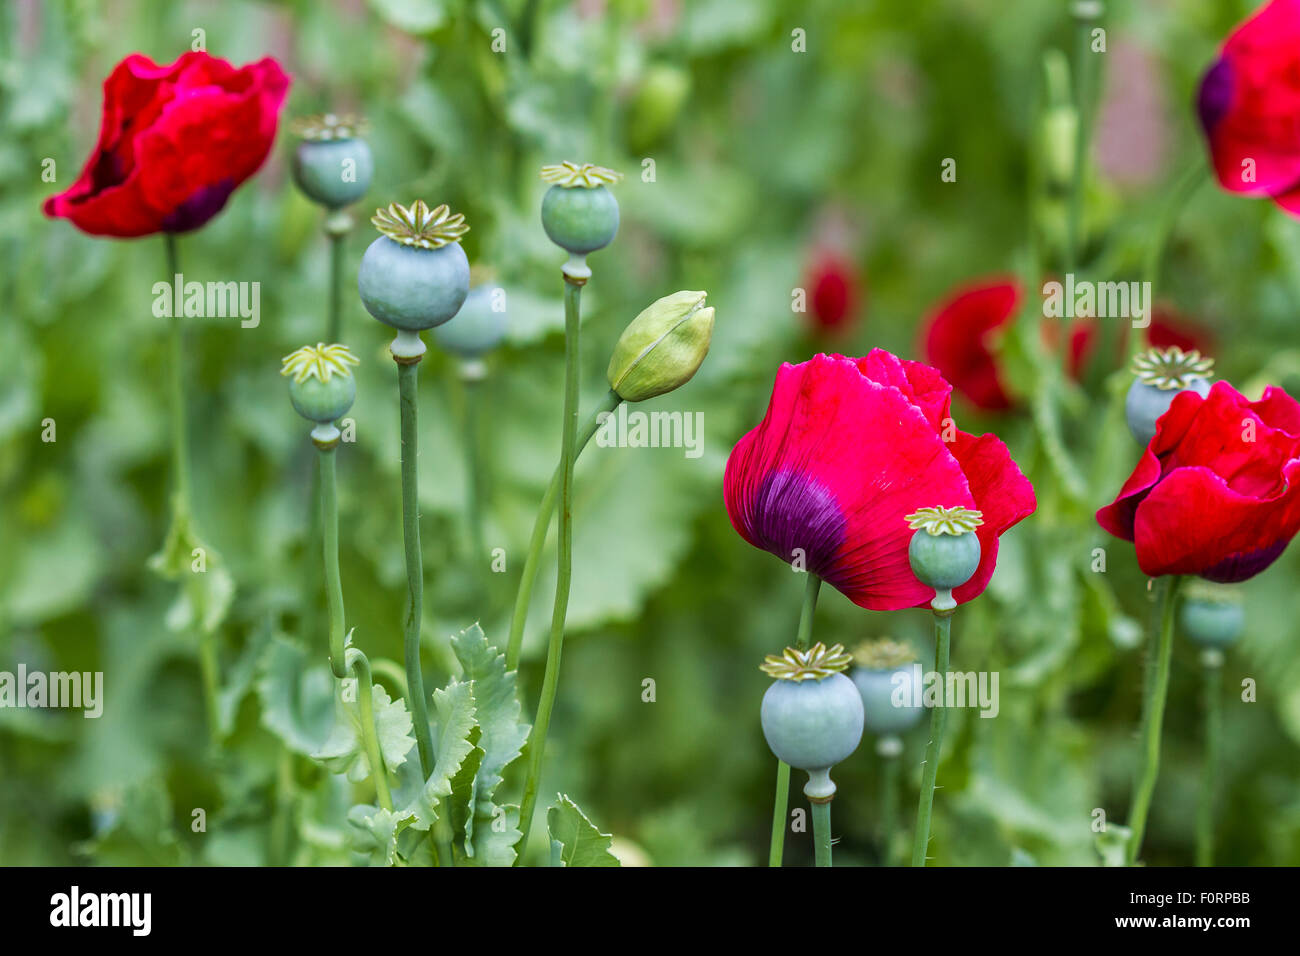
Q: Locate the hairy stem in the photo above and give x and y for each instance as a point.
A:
(329, 517)
(407, 377)
(889, 808)
(1155, 690)
(933, 749)
(821, 820)
(564, 568)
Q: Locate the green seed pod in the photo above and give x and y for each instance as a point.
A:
(887, 680)
(812, 714)
(656, 105)
(944, 552)
(1161, 375)
(662, 348)
(415, 275)
(321, 386)
(332, 165)
(578, 213)
(1212, 616)
(478, 327)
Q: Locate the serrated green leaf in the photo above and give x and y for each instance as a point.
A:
(344, 751)
(498, 712)
(374, 832)
(1111, 844)
(454, 716)
(581, 844)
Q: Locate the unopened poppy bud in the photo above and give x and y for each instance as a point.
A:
(945, 551)
(662, 348)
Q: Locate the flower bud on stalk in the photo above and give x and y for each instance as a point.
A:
(662, 348)
(1161, 375)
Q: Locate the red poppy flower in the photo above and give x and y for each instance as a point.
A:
(174, 142)
(1217, 492)
(833, 293)
(849, 448)
(958, 339)
(1248, 102)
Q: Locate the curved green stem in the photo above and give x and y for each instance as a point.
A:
(821, 820)
(803, 638)
(1155, 690)
(564, 568)
(393, 672)
(1212, 670)
(329, 516)
(357, 662)
(407, 377)
(933, 749)
(541, 523)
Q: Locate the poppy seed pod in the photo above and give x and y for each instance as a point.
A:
(578, 213)
(1212, 616)
(321, 386)
(478, 327)
(662, 348)
(944, 551)
(812, 714)
(415, 275)
(332, 165)
(888, 681)
(1161, 375)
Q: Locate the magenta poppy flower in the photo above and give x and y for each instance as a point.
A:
(849, 448)
(1217, 492)
(174, 143)
(1248, 103)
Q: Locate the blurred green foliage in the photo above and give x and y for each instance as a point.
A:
(754, 147)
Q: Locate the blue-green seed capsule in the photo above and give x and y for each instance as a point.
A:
(415, 276)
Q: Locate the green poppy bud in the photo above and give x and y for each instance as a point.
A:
(662, 348)
(945, 551)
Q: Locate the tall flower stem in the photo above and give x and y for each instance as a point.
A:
(209, 672)
(1155, 690)
(1179, 195)
(407, 378)
(888, 802)
(803, 638)
(564, 569)
(1084, 72)
(933, 749)
(337, 227)
(329, 518)
(821, 819)
(1212, 673)
(541, 523)
(357, 662)
(471, 375)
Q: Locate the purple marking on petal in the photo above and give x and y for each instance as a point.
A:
(1215, 95)
(200, 207)
(1239, 567)
(791, 511)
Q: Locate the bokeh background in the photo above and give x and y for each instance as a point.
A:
(764, 159)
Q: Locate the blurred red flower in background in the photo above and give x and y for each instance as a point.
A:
(832, 286)
(960, 338)
(1248, 102)
(1217, 492)
(847, 449)
(174, 143)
